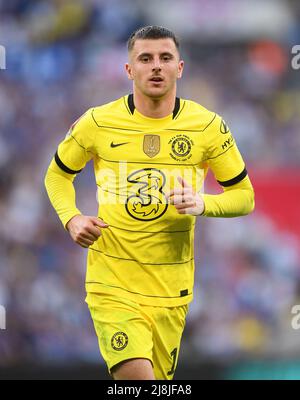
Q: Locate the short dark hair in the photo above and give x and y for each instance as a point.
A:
(151, 32)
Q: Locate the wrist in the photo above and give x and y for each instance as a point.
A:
(202, 205)
(203, 211)
(67, 224)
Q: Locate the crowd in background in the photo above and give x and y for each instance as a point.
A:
(66, 56)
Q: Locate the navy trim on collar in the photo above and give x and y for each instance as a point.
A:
(131, 105)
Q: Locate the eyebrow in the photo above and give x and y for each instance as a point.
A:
(165, 53)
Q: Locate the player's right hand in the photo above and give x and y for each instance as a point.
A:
(85, 230)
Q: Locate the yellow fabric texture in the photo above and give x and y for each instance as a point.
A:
(129, 330)
(61, 192)
(237, 199)
(147, 252)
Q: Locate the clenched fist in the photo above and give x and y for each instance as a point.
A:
(185, 199)
(85, 230)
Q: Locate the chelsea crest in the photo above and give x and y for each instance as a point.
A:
(181, 147)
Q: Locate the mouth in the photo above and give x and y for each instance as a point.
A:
(156, 79)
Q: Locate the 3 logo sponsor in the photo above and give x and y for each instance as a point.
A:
(148, 202)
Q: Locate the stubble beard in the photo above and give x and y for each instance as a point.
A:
(156, 93)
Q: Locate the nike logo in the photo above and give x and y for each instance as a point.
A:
(117, 144)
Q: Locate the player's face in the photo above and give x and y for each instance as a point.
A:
(154, 66)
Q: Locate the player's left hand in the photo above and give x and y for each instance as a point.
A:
(185, 199)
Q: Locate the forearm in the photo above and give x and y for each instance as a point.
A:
(61, 192)
(236, 200)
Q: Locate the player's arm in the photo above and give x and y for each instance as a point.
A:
(61, 192)
(236, 200)
(72, 155)
(229, 169)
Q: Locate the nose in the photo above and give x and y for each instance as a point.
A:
(156, 64)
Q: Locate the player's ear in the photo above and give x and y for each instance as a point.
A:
(180, 69)
(129, 71)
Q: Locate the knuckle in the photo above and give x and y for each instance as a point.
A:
(77, 238)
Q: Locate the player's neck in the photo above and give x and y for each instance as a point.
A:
(154, 108)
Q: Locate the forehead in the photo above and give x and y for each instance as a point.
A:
(154, 46)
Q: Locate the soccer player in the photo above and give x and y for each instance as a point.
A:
(151, 151)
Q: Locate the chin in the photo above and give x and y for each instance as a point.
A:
(155, 94)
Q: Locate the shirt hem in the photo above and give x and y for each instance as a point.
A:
(139, 298)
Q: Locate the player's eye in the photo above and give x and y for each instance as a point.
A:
(144, 59)
(166, 57)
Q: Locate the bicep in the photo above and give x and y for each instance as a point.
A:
(228, 167)
(71, 157)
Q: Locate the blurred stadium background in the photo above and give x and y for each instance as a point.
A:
(63, 57)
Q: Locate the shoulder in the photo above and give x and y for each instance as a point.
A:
(108, 111)
(93, 117)
(215, 122)
(206, 118)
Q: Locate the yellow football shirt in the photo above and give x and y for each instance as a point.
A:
(147, 252)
